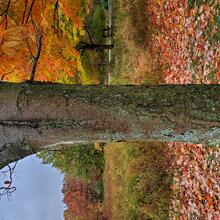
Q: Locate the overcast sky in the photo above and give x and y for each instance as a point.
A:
(38, 195)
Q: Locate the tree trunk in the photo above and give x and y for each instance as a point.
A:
(99, 46)
(83, 46)
(39, 116)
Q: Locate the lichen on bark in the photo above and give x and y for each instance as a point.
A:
(45, 114)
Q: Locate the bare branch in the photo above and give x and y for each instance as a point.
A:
(39, 38)
(90, 37)
(29, 48)
(29, 63)
(30, 11)
(8, 189)
(3, 76)
(56, 15)
(24, 13)
(5, 13)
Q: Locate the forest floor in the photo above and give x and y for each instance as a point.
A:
(176, 42)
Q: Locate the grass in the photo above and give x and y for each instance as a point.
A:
(140, 188)
(115, 179)
(133, 62)
(198, 3)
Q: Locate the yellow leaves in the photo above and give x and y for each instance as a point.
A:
(59, 60)
(98, 147)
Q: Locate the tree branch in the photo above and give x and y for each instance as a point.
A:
(39, 38)
(8, 189)
(56, 15)
(90, 37)
(24, 13)
(30, 11)
(29, 48)
(5, 13)
(3, 76)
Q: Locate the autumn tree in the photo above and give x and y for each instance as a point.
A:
(35, 33)
(81, 199)
(84, 161)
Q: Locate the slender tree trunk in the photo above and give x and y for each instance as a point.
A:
(83, 46)
(100, 46)
(38, 116)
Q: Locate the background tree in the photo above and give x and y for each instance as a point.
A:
(83, 161)
(81, 199)
(83, 188)
(83, 46)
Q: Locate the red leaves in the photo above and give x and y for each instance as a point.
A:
(75, 196)
(80, 198)
(185, 41)
(196, 181)
(188, 52)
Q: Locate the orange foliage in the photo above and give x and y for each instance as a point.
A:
(58, 59)
(71, 8)
(78, 196)
(74, 196)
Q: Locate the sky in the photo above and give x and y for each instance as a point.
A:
(38, 195)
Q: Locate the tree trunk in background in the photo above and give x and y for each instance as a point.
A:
(99, 47)
(39, 116)
(83, 46)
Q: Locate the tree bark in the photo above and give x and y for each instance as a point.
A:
(45, 116)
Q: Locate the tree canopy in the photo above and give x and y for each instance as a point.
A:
(41, 35)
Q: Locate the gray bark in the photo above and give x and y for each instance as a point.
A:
(39, 116)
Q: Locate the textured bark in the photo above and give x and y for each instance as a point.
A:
(37, 116)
